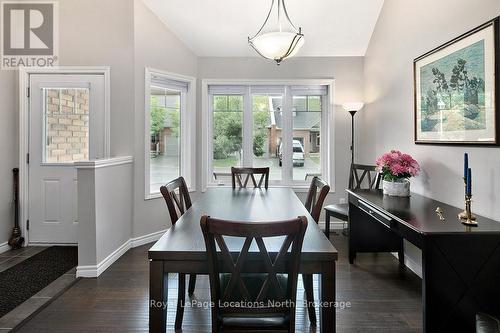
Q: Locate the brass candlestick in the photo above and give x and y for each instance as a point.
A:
(469, 219)
(463, 215)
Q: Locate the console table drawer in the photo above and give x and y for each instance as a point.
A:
(376, 214)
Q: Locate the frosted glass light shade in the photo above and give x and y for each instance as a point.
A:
(275, 45)
(353, 106)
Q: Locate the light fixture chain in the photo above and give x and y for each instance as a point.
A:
(265, 22)
(277, 45)
(288, 17)
(279, 14)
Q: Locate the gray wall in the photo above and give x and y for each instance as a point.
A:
(101, 33)
(104, 211)
(9, 146)
(405, 30)
(113, 193)
(155, 47)
(348, 75)
(92, 33)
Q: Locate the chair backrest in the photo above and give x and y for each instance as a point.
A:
(226, 261)
(316, 197)
(237, 175)
(364, 177)
(177, 203)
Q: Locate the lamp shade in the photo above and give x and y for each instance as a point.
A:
(353, 106)
(280, 41)
(278, 45)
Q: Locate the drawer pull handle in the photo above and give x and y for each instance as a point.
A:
(382, 218)
(439, 213)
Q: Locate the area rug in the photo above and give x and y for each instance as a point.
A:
(25, 279)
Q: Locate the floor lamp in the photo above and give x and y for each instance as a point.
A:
(352, 108)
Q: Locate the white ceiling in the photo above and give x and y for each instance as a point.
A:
(220, 27)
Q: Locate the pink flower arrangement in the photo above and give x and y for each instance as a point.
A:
(395, 166)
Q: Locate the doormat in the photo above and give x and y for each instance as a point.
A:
(25, 279)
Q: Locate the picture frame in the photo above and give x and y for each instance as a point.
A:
(457, 90)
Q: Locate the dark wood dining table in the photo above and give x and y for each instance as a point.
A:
(182, 248)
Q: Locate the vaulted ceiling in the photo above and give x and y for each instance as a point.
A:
(221, 27)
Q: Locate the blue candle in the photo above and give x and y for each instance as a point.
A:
(466, 165)
(469, 182)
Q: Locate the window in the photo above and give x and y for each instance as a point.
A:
(306, 158)
(165, 110)
(170, 130)
(66, 125)
(275, 126)
(267, 134)
(227, 133)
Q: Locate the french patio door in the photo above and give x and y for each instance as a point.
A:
(66, 125)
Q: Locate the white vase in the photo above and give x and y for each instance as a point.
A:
(400, 188)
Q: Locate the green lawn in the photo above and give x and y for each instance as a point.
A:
(226, 162)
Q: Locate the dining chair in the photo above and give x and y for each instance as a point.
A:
(178, 201)
(360, 177)
(318, 190)
(237, 175)
(259, 301)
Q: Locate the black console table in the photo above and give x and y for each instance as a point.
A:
(460, 264)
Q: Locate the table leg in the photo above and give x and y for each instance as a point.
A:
(327, 296)
(158, 297)
(327, 224)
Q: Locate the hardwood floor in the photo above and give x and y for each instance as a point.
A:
(383, 299)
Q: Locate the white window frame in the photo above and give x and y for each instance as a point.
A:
(187, 147)
(327, 129)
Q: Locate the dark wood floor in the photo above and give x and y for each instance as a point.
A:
(383, 297)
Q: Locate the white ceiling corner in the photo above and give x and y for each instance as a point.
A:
(219, 28)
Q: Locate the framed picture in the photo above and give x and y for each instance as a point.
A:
(457, 90)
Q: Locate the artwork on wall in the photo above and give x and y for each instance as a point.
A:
(457, 90)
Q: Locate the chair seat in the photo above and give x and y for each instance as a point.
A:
(254, 323)
(487, 324)
(340, 211)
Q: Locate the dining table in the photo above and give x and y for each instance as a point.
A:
(182, 248)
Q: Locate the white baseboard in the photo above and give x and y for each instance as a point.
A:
(141, 240)
(93, 271)
(334, 225)
(4, 247)
(411, 264)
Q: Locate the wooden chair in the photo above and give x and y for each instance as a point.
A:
(314, 204)
(238, 173)
(178, 201)
(316, 197)
(360, 177)
(233, 277)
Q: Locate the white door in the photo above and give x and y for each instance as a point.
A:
(66, 124)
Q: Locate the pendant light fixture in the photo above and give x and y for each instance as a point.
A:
(281, 41)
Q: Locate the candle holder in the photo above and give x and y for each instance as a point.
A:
(469, 219)
(463, 215)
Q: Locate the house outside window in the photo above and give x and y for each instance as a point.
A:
(274, 126)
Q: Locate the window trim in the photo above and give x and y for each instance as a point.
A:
(187, 130)
(327, 150)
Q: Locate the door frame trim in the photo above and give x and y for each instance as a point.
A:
(24, 77)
